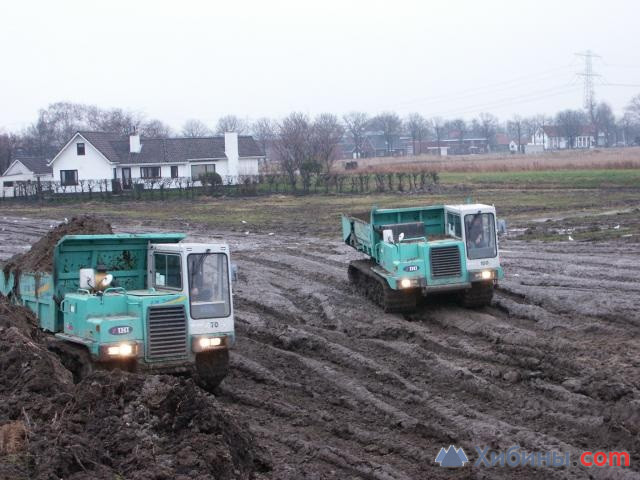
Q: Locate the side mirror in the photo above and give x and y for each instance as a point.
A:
(387, 236)
(401, 237)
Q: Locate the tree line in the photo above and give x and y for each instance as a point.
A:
(305, 145)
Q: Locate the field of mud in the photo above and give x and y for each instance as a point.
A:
(331, 387)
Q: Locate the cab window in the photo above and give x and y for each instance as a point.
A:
(480, 231)
(209, 285)
(454, 226)
(167, 271)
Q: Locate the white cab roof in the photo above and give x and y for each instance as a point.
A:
(472, 207)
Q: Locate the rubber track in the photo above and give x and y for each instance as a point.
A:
(374, 287)
(479, 295)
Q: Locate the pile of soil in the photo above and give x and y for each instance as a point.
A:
(112, 424)
(40, 256)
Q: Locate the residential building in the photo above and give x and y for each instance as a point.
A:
(551, 137)
(21, 170)
(104, 156)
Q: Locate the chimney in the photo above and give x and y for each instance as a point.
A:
(231, 151)
(134, 142)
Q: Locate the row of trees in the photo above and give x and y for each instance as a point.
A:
(308, 145)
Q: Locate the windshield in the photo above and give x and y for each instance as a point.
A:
(481, 235)
(208, 285)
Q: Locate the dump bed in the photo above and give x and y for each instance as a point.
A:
(124, 255)
(363, 230)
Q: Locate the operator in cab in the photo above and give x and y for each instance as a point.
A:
(476, 237)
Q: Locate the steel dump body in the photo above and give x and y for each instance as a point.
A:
(155, 323)
(418, 250)
(124, 255)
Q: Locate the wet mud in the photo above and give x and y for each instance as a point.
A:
(332, 387)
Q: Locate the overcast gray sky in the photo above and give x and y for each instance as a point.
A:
(196, 59)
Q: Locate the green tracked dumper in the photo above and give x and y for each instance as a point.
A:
(144, 301)
(420, 251)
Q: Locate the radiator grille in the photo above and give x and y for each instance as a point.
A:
(445, 262)
(167, 332)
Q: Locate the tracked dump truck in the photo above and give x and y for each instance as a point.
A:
(147, 301)
(420, 251)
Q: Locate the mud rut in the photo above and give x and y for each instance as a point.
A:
(335, 388)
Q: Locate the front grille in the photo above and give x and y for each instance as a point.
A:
(167, 332)
(445, 262)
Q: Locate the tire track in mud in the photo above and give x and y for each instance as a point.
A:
(484, 377)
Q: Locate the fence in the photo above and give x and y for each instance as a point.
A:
(249, 185)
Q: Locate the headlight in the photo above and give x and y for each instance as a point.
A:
(487, 274)
(405, 283)
(210, 342)
(200, 344)
(122, 350)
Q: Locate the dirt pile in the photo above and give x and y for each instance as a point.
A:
(111, 424)
(40, 256)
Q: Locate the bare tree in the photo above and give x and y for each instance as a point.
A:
(263, 131)
(356, 124)
(604, 121)
(390, 125)
(417, 127)
(114, 120)
(570, 124)
(8, 144)
(195, 128)
(515, 127)
(529, 128)
(438, 128)
(292, 145)
(633, 109)
(459, 128)
(231, 123)
(327, 134)
(488, 127)
(155, 129)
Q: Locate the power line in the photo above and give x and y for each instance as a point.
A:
(532, 96)
(498, 86)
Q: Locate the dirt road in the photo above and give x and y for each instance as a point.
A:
(335, 388)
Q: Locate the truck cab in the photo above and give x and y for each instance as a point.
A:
(475, 226)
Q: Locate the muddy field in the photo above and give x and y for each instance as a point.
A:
(332, 387)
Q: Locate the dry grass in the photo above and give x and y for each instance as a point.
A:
(618, 158)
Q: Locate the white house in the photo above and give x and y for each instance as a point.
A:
(24, 169)
(552, 139)
(104, 156)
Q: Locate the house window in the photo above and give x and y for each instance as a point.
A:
(174, 171)
(68, 177)
(149, 172)
(8, 184)
(80, 148)
(199, 170)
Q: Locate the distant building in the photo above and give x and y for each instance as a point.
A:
(552, 139)
(375, 144)
(454, 146)
(24, 169)
(106, 156)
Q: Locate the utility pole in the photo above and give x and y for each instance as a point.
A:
(588, 75)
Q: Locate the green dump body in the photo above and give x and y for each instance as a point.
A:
(427, 256)
(95, 320)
